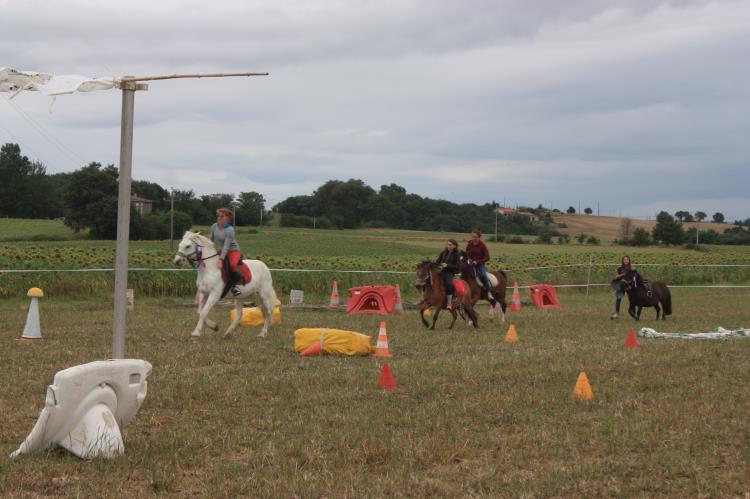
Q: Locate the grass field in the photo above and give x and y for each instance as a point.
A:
(472, 415)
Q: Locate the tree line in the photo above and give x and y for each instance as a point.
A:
(353, 204)
(87, 200)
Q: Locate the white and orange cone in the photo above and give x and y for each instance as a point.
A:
(398, 309)
(516, 305)
(381, 350)
(334, 303)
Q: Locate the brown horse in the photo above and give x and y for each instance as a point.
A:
(433, 294)
(477, 290)
(642, 294)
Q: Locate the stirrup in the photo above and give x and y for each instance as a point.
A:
(236, 291)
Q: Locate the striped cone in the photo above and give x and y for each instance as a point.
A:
(516, 305)
(334, 303)
(381, 350)
(398, 309)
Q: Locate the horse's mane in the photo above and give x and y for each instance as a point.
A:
(430, 263)
(198, 238)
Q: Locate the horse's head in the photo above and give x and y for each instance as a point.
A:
(631, 279)
(463, 262)
(424, 274)
(187, 250)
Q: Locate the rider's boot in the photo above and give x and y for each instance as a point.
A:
(449, 298)
(236, 281)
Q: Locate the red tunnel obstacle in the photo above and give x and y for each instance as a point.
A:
(544, 296)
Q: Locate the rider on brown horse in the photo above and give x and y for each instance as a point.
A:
(478, 255)
(449, 266)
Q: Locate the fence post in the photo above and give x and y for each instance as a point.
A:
(588, 275)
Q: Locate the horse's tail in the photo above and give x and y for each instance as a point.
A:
(667, 301)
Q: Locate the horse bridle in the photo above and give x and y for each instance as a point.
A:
(197, 254)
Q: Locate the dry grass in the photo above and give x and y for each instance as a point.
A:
(472, 415)
(609, 228)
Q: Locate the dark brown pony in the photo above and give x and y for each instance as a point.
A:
(642, 294)
(477, 291)
(433, 294)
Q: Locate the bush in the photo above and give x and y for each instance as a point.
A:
(593, 240)
(516, 240)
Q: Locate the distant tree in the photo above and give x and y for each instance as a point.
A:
(588, 211)
(681, 215)
(581, 238)
(570, 210)
(718, 217)
(152, 191)
(346, 204)
(249, 208)
(640, 237)
(91, 201)
(667, 229)
(700, 216)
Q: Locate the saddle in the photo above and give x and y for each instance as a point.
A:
(490, 277)
(458, 285)
(243, 269)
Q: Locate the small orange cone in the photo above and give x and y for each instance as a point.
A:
(630, 341)
(516, 305)
(398, 309)
(312, 350)
(582, 389)
(512, 335)
(334, 303)
(381, 350)
(385, 380)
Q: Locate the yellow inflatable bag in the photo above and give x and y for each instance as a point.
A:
(254, 316)
(333, 341)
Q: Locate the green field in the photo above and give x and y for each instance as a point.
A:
(471, 416)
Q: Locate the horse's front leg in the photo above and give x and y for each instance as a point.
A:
(435, 316)
(208, 303)
(658, 310)
(237, 318)
(421, 315)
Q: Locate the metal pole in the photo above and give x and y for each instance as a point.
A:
(588, 277)
(260, 224)
(123, 221)
(171, 221)
(496, 224)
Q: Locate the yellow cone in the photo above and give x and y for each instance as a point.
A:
(583, 390)
(512, 335)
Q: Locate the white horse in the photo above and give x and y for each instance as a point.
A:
(198, 249)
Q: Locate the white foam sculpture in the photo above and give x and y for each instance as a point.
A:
(86, 406)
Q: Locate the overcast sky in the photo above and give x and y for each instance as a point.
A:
(629, 106)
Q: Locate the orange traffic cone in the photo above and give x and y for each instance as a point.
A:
(312, 350)
(512, 335)
(386, 380)
(516, 305)
(334, 303)
(381, 350)
(398, 309)
(630, 341)
(582, 389)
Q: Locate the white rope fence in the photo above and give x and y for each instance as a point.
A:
(399, 272)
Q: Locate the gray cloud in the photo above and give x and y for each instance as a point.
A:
(629, 104)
